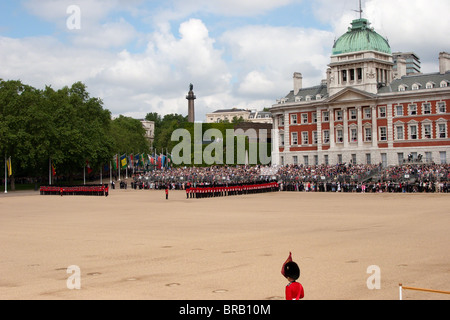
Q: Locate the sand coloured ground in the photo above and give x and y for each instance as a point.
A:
(134, 244)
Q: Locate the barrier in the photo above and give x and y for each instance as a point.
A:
(401, 288)
(85, 190)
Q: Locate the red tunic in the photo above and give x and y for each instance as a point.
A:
(294, 291)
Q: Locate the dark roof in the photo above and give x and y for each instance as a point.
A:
(421, 79)
(311, 91)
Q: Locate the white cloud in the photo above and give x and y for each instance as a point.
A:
(266, 57)
(249, 66)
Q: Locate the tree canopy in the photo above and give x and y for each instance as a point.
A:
(66, 126)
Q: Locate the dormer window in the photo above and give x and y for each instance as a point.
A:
(308, 98)
(444, 84)
(430, 85)
(416, 86)
(401, 88)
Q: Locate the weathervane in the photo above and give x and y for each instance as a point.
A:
(360, 10)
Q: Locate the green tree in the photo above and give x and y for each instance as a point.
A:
(80, 130)
(129, 136)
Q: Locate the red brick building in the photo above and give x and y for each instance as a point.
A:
(366, 111)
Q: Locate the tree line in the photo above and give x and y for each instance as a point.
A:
(67, 128)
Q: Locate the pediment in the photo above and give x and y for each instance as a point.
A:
(351, 94)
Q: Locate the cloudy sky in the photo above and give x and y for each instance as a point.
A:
(140, 56)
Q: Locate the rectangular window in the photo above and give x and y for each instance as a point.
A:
(281, 121)
(326, 136)
(426, 108)
(368, 134)
(339, 158)
(306, 160)
(400, 158)
(443, 156)
(442, 131)
(353, 158)
(294, 138)
(282, 139)
(339, 115)
(314, 117)
(315, 137)
(339, 136)
(344, 75)
(413, 132)
(325, 159)
(368, 158)
(400, 133)
(295, 160)
(441, 107)
(428, 157)
(383, 134)
(427, 131)
(354, 135)
(305, 138)
(399, 111)
(367, 113)
(326, 116)
(382, 112)
(304, 118)
(316, 160)
(294, 119)
(412, 110)
(360, 73)
(353, 114)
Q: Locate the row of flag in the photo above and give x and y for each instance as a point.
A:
(122, 162)
(141, 160)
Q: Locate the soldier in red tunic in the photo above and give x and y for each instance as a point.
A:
(291, 271)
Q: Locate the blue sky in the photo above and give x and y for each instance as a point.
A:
(140, 56)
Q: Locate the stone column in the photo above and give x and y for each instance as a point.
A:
(331, 118)
(374, 127)
(360, 129)
(287, 135)
(319, 130)
(345, 117)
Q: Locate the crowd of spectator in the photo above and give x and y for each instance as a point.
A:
(322, 178)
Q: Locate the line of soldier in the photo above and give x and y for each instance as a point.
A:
(84, 190)
(224, 190)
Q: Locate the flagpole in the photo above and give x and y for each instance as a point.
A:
(84, 174)
(49, 171)
(6, 176)
(126, 167)
(101, 174)
(110, 172)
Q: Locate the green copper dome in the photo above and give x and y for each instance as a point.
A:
(361, 38)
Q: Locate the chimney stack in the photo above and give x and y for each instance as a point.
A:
(444, 62)
(401, 68)
(298, 82)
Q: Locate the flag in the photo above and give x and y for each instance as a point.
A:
(53, 169)
(115, 162)
(123, 161)
(142, 160)
(88, 167)
(169, 160)
(9, 167)
(151, 159)
(137, 159)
